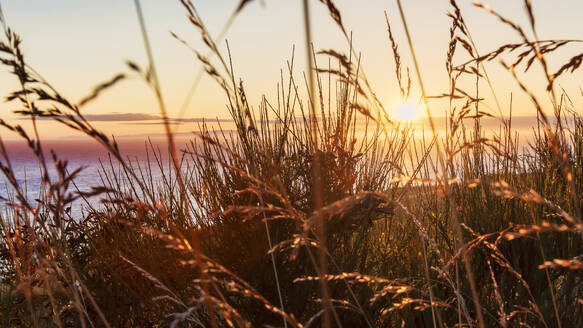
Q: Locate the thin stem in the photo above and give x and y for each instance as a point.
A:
(316, 170)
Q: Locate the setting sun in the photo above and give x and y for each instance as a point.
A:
(406, 112)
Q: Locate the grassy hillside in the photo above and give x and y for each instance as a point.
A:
(319, 209)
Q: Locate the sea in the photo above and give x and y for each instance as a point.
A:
(96, 164)
(93, 161)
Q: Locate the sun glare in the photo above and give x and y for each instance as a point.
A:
(406, 112)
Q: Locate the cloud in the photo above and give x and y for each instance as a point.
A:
(518, 122)
(134, 123)
(121, 117)
(133, 117)
(130, 117)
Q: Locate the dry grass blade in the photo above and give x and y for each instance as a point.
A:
(334, 13)
(100, 88)
(397, 58)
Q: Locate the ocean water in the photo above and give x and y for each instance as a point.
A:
(92, 158)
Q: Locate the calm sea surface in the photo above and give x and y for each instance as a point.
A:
(91, 156)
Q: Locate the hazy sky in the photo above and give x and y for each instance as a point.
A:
(77, 44)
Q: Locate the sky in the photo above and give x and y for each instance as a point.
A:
(77, 44)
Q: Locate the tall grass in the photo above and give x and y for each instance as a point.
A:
(318, 209)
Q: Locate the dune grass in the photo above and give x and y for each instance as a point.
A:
(318, 209)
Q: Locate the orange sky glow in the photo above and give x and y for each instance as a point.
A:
(76, 45)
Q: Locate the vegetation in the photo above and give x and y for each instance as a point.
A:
(298, 218)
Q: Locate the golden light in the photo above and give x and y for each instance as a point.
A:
(406, 112)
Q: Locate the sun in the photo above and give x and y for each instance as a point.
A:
(406, 112)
